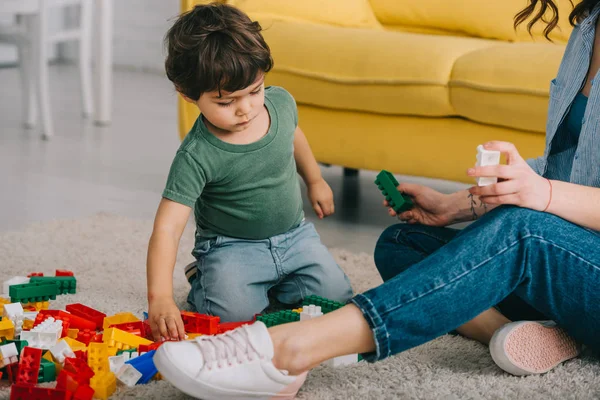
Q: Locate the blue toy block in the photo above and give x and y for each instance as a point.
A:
(145, 365)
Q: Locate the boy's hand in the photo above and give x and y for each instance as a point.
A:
(165, 320)
(430, 206)
(321, 198)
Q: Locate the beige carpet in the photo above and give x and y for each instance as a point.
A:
(107, 254)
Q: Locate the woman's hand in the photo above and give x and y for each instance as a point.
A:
(321, 198)
(165, 320)
(430, 206)
(517, 183)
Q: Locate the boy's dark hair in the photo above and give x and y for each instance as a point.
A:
(215, 47)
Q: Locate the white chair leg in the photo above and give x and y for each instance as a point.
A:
(41, 66)
(85, 56)
(26, 67)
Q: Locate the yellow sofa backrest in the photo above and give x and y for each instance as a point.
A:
(491, 19)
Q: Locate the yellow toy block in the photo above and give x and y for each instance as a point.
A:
(190, 335)
(72, 333)
(122, 340)
(104, 385)
(98, 358)
(297, 310)
(27, 324)
(75, 344)
(119, 318)
(7, 329)
(48, 356)
(38, 305)
(3, 301)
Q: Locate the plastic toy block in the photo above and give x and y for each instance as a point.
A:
(325, 304)
(83, 372)
(20, 344)
(122, 340)
(63, 272)
(116, 362)
(128, 375)
(200, 323)
(228, 326)
(12, 371)
(129, 351)
(8, 354)
(3, 301)
(44, 335)
(83, 392)
(7, 329)
(98, 358)
(310, 312)
(37, 306)
(75, 345)
(386, 182)
(119, 318)
(104, 385)
(67, 380)
(66, 284)
(278, 318)
(61, 350)
(144, 348)
(33, 292)
(145, 365)
(86, 336)
(485, 158)
(29, 366)
(190, 335)
(63, 318)
(72, 333)
(29, 275)
(298, 310)
(27, 324)
(147, 330)
(17, 280)
(75, 321)
(28, 392)
(135, 328)
(81, 355)
(47, 371)
(88, 313)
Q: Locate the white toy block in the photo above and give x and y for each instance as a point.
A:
(486, 158)
(310, 312)
(116, 362)
(44, 335)
(14, 312)
(61, 350)
(30, 315)
(128, 375)
(8, 354)
(17, 280)
(342, 360)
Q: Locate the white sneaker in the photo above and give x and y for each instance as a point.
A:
(234, 365)
(527, 347)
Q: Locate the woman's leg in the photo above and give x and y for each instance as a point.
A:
(551, 264)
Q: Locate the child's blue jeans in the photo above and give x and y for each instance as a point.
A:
(532, 265)
(236, 276)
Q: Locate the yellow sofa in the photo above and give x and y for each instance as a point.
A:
(411, 86)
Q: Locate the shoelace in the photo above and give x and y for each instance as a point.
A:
(227, 348)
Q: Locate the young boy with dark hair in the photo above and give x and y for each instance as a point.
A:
(237, 168)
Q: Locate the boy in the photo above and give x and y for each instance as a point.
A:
(237, 168)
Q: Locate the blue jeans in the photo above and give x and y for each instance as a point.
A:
(531, 265)
(236, 276)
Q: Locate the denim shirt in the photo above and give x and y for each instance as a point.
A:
(585, 168)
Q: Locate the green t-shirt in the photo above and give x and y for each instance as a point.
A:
(248, 191)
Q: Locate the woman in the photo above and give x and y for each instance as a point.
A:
(537, 257)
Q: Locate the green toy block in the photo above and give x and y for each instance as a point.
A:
(119, 352)
(278, 318)
(387, 184)
(47, 371)
(33, 292)
(66, 284)
(325, 304)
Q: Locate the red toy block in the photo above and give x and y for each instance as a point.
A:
(29, 366)
(81, 355)
(88, 313)
(200, 323)
(35, 274)
(0, 375)
(75, 321)
(148, 331)
(12, 371)
(144, 348)
(83, 372)
(229, 326)
(98, 338)
(83, 392)
(63, 272)
(67, 380)
(135, 328)
(28, 392)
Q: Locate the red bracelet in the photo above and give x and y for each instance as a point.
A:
(549, 200)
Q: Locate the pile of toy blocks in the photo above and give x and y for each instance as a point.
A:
(85, 351)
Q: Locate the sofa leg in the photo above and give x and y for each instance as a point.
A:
(349, 172)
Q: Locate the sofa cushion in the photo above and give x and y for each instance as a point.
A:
(480, 18)
(506, 84)
(364, 69)
(346, 13)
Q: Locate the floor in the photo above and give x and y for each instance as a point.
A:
(121, 168)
